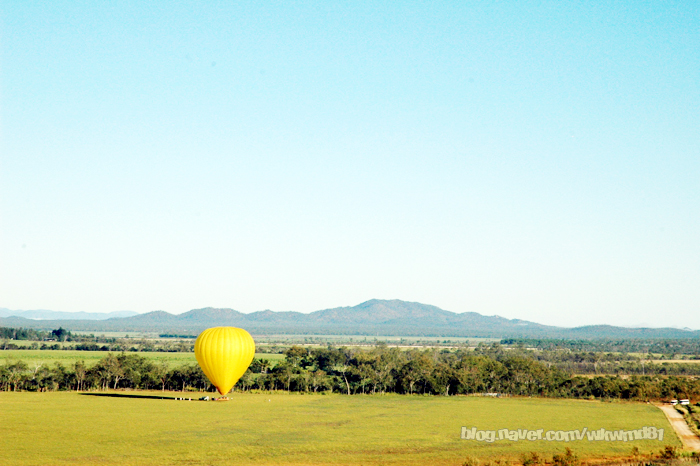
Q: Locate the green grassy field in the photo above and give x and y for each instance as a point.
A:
(68, 428)
(68, 357)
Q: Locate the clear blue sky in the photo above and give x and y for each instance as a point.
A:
(535, 160)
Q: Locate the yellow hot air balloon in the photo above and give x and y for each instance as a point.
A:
(224, 354)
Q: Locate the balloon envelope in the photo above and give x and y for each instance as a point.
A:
(224, 354)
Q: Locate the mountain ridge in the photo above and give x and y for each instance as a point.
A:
(373, 317)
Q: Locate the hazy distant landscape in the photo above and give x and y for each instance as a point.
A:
(42, 314)
(374, 317)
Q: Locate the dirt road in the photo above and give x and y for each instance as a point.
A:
(690, 440)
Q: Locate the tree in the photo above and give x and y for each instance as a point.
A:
(319, 379)
(342, 369)
(80, 371)
(284, 372)
(295, 354)
(114, 368)
(259, 366)
(162, 374)
(15, 372)
(60, 334)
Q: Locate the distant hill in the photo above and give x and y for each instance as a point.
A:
(371, 318)
(41, 314)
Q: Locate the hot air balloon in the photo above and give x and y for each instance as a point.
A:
(224, 354)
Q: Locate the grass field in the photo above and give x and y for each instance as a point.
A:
(68, 357)
(68, 428)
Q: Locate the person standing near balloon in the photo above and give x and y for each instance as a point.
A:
(224, 354)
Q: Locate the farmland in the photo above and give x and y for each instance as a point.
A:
(68, 357)
(61, 428)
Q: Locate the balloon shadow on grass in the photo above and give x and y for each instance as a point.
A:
(125, 395)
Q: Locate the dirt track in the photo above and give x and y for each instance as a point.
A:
(690, 440)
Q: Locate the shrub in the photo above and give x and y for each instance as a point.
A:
(531, 459)
(567, 459)
(668, 453)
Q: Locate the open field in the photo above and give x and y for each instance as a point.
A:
(68, 357)
(134, 335)
(676, 361)
(62, 428)
(368, 339)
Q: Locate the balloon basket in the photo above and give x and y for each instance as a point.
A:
(223, 398)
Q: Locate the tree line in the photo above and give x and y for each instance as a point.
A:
(30, 339)
(596, 362)
(668, 347)
(349, 371)
(9, 333)
(114, 371)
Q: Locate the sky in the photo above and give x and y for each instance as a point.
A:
(533, 160)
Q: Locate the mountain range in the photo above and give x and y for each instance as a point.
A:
(42, 314)
(371, 318)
